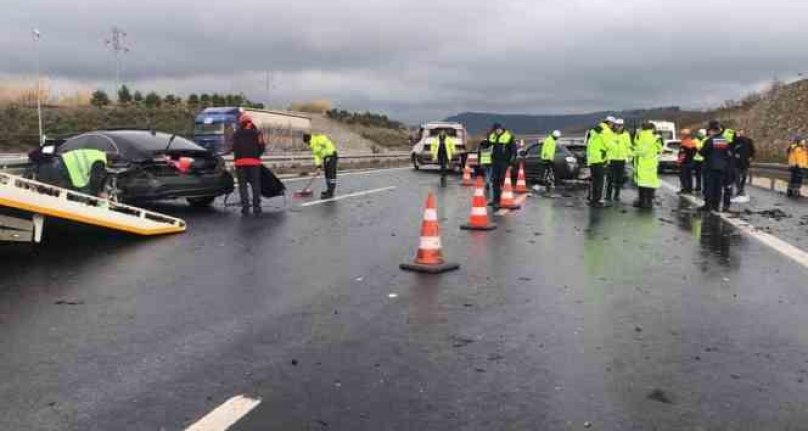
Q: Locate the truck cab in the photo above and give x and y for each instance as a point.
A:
(214, 128)
(428, 135)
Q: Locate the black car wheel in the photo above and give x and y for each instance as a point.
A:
(203, 202)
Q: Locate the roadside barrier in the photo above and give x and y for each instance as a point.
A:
(479, 220)
(429, 258)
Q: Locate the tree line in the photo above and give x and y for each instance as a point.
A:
(152, 99)
(364, 118)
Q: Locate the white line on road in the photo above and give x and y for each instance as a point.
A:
(350, 195)
(226, 415)
(362, 172)
(792, 252)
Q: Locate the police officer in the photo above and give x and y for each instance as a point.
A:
(647, 147)
(443, 150)
(797, 163)
(503, 151)
(248, 146)
(325, 158)
(717, 169)
(548, 153)
(484, 156)
(617, 153)
(598, 140)
(698, 160)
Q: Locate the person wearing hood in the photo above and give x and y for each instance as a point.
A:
(599, 138)
(248, 147)
(647, 148)
(618, 153)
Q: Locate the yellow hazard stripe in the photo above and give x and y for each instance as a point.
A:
(90, 220)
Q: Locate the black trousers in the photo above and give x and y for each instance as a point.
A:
(498, 170)
(330, 170)
(717, 189)
(596, 186)
(547, 174)
(795, 182)
(698, 175)
(249, 176)
(646, 197)
(741, 177)
(443, 162)
(686, 177)
(617, 177)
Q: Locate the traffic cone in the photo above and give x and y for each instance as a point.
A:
(521, 184)
(429, 258)
(479, 213)
(467, 181)
(506, 201)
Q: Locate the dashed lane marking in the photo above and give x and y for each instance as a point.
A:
(788, 250)
(226, 415)
(344, 174)
(350, 195)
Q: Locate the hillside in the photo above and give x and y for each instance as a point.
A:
(770, 118)
(478, 123)
(18, 125)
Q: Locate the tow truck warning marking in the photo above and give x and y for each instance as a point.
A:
(226, 415)
(788, 250)
(350, 195)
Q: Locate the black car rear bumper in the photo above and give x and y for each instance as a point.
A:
(150, 188)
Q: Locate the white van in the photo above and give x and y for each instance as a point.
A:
(428, 135)
(669, 159)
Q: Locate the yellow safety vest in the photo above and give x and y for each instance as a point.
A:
(321, 147)
(450, 148)
(79, 164)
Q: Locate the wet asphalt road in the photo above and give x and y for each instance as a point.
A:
(562, 318)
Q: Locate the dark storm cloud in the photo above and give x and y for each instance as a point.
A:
(419, 59)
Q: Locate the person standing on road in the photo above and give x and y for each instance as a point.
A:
(698, 160)
(325, 158)
(503, 151)
(718, 169)
(484, 156)
(647, 148)
(599, 139)
(248, 147)
(548, 153)
(743, 149)
(797, 163)
(443, 150)
(617, 154)
(687, 153)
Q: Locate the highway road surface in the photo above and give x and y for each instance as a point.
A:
(564, 318)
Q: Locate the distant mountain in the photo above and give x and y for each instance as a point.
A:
(478, 123)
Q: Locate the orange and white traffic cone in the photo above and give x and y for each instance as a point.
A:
(521, 184)
(429, 258)
(479, 213)
(467, 181)
(507, 201)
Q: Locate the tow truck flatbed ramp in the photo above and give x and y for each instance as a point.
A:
(46, 200)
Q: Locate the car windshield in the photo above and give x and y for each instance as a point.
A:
(436, 131)
(209, 129)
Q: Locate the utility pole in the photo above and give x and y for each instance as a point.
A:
(36, 36)
(117, 43)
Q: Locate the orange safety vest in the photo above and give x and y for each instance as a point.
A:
(798, 156)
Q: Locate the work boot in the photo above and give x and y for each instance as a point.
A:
(324, 195)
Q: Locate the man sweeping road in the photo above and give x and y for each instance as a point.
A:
(325, 158)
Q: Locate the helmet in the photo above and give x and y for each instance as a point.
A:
(611, 119)
(620, 122)
(702, 132)
(556, 134)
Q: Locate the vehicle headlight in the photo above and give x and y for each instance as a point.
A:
(571, 160)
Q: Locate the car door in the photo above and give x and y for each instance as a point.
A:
(533, 161)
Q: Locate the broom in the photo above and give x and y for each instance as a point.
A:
(306, 191)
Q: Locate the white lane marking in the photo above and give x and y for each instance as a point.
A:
(350, 195)
(226, 415)
(363, 172)
(788, 250)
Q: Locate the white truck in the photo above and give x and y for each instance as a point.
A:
(427, 136)
(668, 160)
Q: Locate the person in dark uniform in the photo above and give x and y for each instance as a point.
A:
(248, 147)
(443, 150)
(743, 149)
(717, 169)
(503, 151)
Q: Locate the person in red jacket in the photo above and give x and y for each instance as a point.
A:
(248, 147)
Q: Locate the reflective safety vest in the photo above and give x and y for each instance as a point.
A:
(798, 156)
(729, 135)
(485, 155)
(620, 149)
(698, 158)
(505, 138)
(79, 164)
(321, 147)
(499, 146)
(597, 145)
(450, 148)
(548, 149)
(648, 147)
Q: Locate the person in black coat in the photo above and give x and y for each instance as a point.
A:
(248, 147)
(718, 168)
(743, 150)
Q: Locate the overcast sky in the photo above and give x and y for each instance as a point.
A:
(421, 59)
